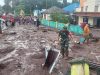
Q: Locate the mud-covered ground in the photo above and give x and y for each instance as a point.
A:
(22, 51)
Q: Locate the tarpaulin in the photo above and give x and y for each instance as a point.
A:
(76, 29)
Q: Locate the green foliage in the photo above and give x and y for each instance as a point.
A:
(19, 8)
(7, 2)
(30, 5)
(1, 10)
(7, 8)
(60, 18)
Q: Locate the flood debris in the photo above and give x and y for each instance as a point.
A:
(23, 51)
(52, 56)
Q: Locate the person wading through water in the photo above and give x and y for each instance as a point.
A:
(64, 41)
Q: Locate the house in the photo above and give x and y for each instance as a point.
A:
(71, 8)
(48, 12)
(89, 12)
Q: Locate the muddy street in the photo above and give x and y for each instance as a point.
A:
(22, 51)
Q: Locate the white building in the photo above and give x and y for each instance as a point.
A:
(89, 12)
(91, 6)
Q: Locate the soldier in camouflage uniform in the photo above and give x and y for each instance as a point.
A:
(64, 41)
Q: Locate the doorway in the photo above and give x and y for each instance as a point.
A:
(98, 22)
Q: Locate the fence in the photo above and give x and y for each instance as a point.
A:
(72, 28)
(53, 24)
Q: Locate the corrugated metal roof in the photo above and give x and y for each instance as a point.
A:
(71, 8)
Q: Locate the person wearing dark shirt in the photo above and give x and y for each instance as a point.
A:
(64, 41)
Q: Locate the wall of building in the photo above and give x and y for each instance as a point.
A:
(99, 8)
(80, 20)
(82, 3)
(90, 20)
(97, 2)
(78, 10)
(90, 4)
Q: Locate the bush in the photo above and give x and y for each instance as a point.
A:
(59, 18)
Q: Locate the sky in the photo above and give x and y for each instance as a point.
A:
(2, 2)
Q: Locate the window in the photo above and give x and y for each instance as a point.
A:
(86, 8)
(81, 9)
(96, 8)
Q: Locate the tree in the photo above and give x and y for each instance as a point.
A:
(15, 3)
(60, 18)
(19, 7)
(7, 8)
(7, 2)
(29, 5)
(1, 10)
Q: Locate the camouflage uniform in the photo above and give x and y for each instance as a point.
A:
(64, 42)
